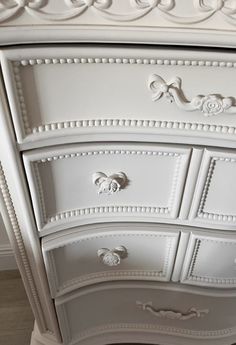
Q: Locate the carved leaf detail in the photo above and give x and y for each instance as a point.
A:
(75, 3)
(102, 4)
(144, 3)
(163, 4)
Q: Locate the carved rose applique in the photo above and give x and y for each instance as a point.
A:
(213, 104)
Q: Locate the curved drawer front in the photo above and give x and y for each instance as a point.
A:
(214, 200)
(108, 252)
(96, 182)
(122, 308)
(210, 261)
(58, 92)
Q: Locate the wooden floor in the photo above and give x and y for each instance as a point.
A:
(16, 319)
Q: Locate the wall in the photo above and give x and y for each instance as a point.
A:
(7, 261)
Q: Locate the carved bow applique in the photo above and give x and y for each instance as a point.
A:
(209, 105)
(160, 87)
(109, 184)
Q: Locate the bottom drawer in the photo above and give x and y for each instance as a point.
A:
(151, 310)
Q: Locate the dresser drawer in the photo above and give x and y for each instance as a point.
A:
(210, 261)
(147, 309)
(58, 92)
(84, 183)
(214, 200)
(96, 253)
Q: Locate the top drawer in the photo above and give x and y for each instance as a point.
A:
(58, 92)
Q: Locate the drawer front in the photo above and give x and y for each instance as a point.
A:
(214, 200)
(122, 308)
(119, 90)
(210, 261)
(97, 253)
(96, 182)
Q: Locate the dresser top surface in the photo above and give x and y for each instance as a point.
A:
(176, 22)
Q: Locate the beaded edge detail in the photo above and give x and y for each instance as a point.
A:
(116, 122)
(203, 279)
(21, 247)
(128, 274)
(154, 327)
(207, 215)
(104, 209)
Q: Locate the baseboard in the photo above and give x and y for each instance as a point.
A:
(7, 260)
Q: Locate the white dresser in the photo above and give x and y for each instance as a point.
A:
(118, 167)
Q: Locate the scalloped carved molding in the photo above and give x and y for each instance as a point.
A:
(93, 211)
(209, 105)
(9, 9)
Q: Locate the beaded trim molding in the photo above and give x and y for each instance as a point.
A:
(139, 327)
(207, 215)
(209, 280)
(201, 127)
(25, 266)
(120, 274)
(104, 209)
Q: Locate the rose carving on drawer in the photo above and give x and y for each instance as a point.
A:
(112, 257)
(209, 105)
(109, 184)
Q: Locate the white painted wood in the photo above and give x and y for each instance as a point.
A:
(72, 261)
(191, 180)
(183, 22)
(122, 307)
(18, 219)
(111, 96)
(63, 192)
(44, 108)
(179, 259)
(37, 338)
(214, 198)
(210, 261)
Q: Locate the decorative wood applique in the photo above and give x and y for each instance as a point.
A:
(171, 314)
(109, 184)
(117, 123)
(112, 257)
(209, 104)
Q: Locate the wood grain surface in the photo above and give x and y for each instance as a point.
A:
(16, 318)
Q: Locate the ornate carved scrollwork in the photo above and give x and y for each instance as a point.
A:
(112, 257)
(171, 314)
(74, 8)
(109, 184)
(209, 104)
